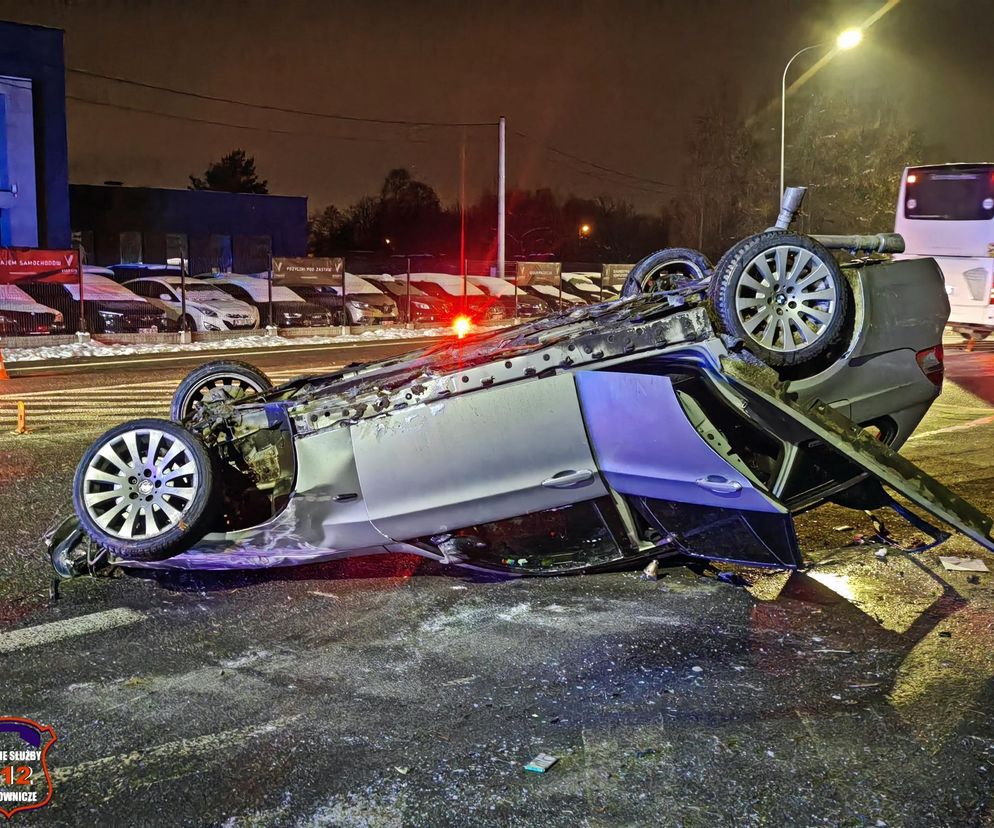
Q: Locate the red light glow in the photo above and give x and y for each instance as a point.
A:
(912, 178)
(462, 325)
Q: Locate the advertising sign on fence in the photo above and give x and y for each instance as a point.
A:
(539, 273)
(289, 271)
(21, 263)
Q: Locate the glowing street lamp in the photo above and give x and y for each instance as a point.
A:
(846, 40)
(849, 38)
(585, 230)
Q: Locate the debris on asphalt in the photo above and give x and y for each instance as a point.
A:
(881, 553)
(402, 771)
(651, 572)
(954, 564)
(734, 579)
(945, 634)
(844, 528)
(541, 763)
(973, 579)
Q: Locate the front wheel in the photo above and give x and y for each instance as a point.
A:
(144, 491)
(222, 379)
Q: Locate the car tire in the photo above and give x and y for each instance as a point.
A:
(783, 295)
(191, 324)
(667, 269)
(220, 379)
(126, 495)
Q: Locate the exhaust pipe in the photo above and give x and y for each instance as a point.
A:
(877, 243)
(789, 205)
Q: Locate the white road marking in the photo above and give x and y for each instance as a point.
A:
(69, 628)
(947, 429)
(212, 747)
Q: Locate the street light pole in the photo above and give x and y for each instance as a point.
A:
(783, 107)
(845, 41)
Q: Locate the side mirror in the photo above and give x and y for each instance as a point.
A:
(165, 297)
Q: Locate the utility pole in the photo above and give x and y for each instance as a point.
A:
(501, 192)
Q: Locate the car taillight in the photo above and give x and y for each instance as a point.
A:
(991, 302)
(930, 361)
(461, 326)
(912, 178)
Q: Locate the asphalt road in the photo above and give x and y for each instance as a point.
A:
(391, 691)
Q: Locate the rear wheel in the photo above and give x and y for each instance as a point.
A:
(145, 490)
(223, 379)
(667, 269)
(782, 294)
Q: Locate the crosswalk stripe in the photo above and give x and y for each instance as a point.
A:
(67, 628)
(120, 401)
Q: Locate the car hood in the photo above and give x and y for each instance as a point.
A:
(223, 306)
(872, 455)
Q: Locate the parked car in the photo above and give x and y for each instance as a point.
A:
(622, 432)
(20, 315)
(289, 310)
(515, 302)
(424, 306)
(128, 271)
(365, 303)
(464, 296)
(207, 308)
(554, 299)
(109, 307)
(580, 284)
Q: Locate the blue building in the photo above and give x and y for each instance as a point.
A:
(34, 156)
(212, 230)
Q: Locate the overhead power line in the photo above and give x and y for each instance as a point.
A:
(596, 166)
(271, 108)
(214, 122)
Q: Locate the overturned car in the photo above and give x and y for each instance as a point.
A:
(590, 440)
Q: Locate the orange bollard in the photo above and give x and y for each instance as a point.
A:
(3, 369)
(22, 419)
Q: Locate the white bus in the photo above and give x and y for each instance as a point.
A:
(946, 211)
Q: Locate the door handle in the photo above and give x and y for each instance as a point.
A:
(719, 485)
(568, 479)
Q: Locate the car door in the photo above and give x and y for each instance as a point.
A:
(476, 458)
(687, 479)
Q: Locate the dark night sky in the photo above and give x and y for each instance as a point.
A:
(618, 83)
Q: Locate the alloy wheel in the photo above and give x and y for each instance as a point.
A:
(786, 298)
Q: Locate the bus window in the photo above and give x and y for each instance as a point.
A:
(949, 193)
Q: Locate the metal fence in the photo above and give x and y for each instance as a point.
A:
(196, 291)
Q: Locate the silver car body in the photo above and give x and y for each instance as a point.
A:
(613, 408)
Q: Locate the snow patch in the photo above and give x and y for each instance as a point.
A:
(78, 350)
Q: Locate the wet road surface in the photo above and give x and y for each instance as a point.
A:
(391, 691)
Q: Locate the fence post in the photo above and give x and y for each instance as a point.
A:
(410, 321)
(185, 335)
(82, 335)
(269, 289)
(517, 317)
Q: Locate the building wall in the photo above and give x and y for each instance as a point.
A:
(229, 231)
(35, 54)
